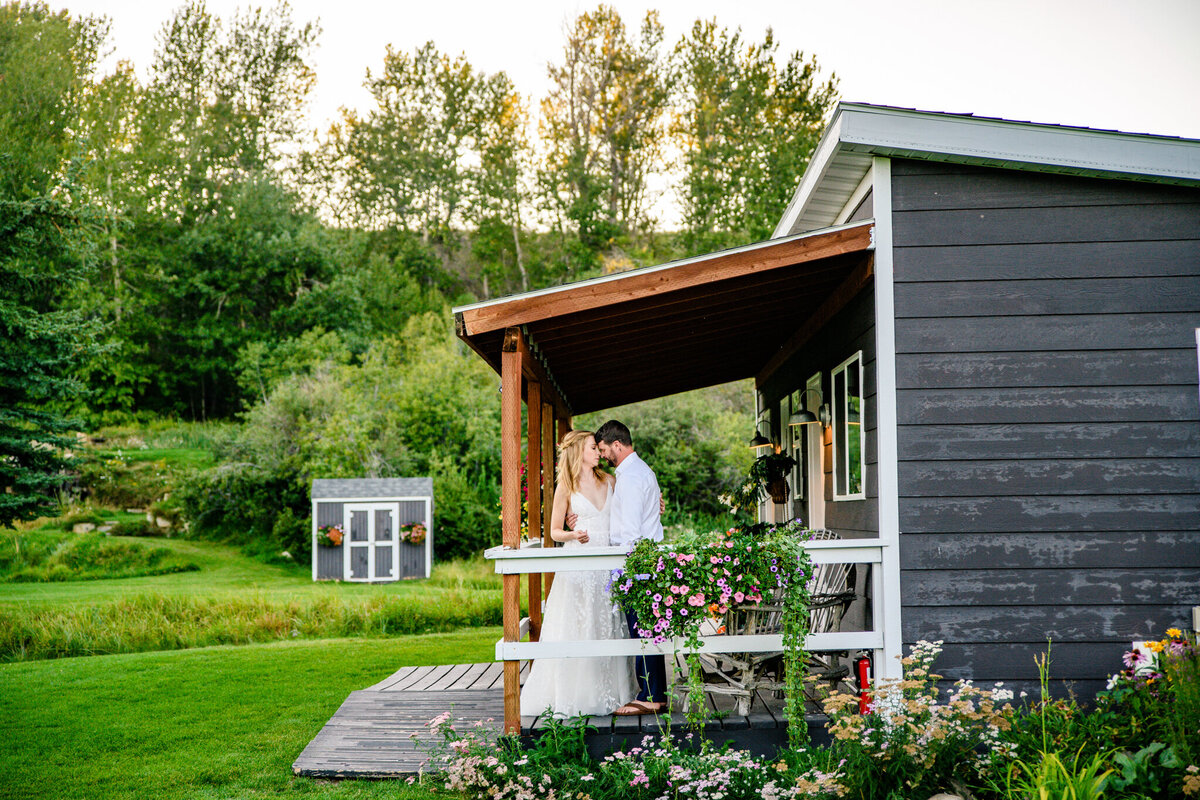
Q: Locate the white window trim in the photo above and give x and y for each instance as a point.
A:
(840, 414)
(814, 444)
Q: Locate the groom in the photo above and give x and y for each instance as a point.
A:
(635, 515)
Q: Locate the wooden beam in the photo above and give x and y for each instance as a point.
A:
(510, 516)
(533, 488)
(548, 460)
(534, 370)
(840, 298)
(634, 285)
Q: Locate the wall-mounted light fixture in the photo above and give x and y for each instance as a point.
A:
(806, 417)
(760, 441)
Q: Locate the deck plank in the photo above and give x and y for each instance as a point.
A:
(371, 734)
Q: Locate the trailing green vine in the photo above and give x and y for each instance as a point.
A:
(673, 588)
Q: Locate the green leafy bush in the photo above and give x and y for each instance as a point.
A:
(136, 527)
(262, 510)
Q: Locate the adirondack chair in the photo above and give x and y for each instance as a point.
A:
(743, 675)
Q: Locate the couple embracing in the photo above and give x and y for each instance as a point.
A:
(594, 509)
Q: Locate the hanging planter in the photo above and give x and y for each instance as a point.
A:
(770, 471)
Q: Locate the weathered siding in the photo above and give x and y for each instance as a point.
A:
(329, 559)
(1049, 448)
(851, 330)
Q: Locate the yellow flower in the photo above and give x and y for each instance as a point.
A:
(1174, 633)
(1157, 647)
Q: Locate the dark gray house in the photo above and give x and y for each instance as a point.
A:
(373, 514)
(1024, 368)
(996, 324)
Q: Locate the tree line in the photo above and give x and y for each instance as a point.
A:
(184, 243)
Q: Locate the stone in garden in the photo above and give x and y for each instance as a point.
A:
(944, 796)
(162, 522)
(104, 528)
(83, 527)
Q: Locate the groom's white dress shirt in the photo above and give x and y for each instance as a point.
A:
(635, 504)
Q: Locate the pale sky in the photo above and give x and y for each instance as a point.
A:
(1131, 65)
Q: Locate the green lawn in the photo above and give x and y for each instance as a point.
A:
(220, 722)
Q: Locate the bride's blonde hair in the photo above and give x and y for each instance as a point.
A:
(570, 460)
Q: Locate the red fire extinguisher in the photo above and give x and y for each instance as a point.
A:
(862, 668)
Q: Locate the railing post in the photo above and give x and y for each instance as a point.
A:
(533, 489)
(548, 460)
(510, 513)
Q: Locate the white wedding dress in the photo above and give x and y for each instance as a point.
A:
(580, 608)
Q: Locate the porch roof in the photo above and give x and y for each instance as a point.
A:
(678, 326)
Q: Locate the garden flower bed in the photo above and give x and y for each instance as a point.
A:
(1139, 741)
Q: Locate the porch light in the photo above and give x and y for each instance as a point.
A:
(760, 441)
(806, 417)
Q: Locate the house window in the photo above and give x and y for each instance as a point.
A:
(762, 425)
(797, 447)
(847, 408)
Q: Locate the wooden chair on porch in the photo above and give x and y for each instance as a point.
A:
(742, 675)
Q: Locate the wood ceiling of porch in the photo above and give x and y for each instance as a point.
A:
(680, 326)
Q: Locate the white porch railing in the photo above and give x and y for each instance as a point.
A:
(533, 558)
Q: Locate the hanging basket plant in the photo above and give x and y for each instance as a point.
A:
(330, 535)
(673, 588)
(770, 472)
(413, 533)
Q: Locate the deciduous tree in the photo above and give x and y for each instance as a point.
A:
(602, 126)
(745, 126)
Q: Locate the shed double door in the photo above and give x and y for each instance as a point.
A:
(372, 542)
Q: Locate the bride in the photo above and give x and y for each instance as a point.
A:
(579, 607)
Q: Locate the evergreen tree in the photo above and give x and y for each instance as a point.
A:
(45, 60)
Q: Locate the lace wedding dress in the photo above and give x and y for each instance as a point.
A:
(579, 608)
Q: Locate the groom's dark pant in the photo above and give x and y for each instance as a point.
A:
(651, 670)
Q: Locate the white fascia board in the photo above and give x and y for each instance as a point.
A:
(902, 133)
(817, 165)
(893, 132)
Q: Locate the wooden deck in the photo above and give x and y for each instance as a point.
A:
(371, 735)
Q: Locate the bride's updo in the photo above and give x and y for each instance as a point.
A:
(570, 460)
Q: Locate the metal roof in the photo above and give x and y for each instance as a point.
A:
(675, 327)
(362, 488)
(859, 132)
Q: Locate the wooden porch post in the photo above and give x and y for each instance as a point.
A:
(533, 484)
(510, 513)
(548, 461)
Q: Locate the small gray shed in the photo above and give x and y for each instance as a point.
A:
(371, 513)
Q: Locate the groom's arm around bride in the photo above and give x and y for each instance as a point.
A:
(635, 515)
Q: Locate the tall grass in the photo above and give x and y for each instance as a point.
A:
(156, 621)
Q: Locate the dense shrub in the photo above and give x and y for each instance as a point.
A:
(113, 479)
(249, 505)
